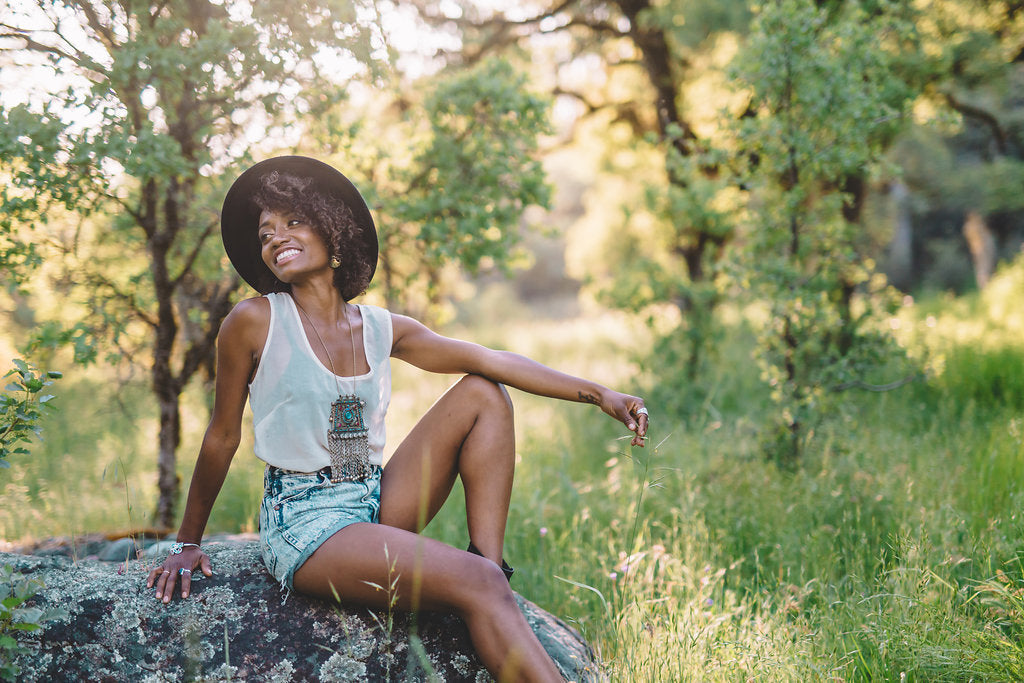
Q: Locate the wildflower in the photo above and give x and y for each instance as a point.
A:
(543, 531)
(613, 575)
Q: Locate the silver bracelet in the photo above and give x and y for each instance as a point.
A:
(176, 547)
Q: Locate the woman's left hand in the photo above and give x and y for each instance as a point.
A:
(629, 410)
(178, 565)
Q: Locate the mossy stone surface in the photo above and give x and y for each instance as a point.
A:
(237, 625)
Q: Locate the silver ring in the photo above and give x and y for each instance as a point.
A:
(641, 411)
(181, 572)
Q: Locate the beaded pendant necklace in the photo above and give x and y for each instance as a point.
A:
(347, 437)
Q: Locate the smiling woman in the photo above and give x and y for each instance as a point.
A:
(334, 521)
(339, 216)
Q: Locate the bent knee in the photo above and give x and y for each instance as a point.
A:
(484, 586)
(486, 393)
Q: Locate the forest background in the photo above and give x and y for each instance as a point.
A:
(793, 226)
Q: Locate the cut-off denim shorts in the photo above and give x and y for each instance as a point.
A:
(301, 511)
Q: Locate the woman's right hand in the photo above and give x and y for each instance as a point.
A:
(181, 565)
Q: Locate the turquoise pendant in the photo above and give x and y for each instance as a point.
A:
(348, 440)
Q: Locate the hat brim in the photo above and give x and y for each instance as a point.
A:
(240, 215)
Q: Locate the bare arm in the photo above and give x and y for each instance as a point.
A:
(238, 344)
(416, 344)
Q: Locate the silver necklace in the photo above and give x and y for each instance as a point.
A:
(347, 437)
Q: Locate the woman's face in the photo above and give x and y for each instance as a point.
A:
(290, 246)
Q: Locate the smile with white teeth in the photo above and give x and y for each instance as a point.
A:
(285, 255)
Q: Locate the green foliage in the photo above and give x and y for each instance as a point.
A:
(17, 617)
(124, 197)
(985, 376)
(990, 187)
(452, 195)
(893, 548)
(21, 407)
(691, 23)
(966, 154)
(829, 100)
(470, 183)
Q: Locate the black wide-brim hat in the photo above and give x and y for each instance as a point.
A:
(239, 218)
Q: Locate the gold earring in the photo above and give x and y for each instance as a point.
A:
(335, 262)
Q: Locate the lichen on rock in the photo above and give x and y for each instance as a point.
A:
(236, 626)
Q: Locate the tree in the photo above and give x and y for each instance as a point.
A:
(828, 98)
(151, 101)
(972, 161)
(449, 177)
(656, 52)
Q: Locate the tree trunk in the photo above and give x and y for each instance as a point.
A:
(900, 261)
(165, 385)
(982, 244)
(168, 482)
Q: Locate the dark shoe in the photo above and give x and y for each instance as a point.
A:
(508, 571)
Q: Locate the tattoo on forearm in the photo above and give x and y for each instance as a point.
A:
(589, 398)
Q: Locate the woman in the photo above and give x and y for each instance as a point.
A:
(315, 368)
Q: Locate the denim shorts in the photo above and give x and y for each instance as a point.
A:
(301, 511)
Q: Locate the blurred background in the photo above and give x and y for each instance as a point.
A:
(795, 227)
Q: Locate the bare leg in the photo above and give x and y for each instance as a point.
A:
(427, 574)
(469, 432)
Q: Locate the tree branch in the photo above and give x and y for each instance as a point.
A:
(103, 33)
(982, 115)
(590, 106)
(33, 45)
(501, 31)
(95, 71)
(191, 259)
(857, 384)
(217, 308)
(602, 27)
(124, 297)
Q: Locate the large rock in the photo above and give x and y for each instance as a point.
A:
(236, 625)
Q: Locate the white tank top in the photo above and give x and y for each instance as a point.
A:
(292, 391)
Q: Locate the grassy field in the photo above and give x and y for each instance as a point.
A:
(894, 551)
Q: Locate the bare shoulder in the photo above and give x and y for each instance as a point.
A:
(248, 321)
(403, 324)
(254, 310)
(406, 330)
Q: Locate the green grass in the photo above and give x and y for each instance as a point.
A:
(894, 551)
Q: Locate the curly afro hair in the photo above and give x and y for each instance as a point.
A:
(330, 218)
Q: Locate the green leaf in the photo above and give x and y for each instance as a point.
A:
(25, 626)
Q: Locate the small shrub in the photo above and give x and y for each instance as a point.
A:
(21, 406)
(16, 617)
